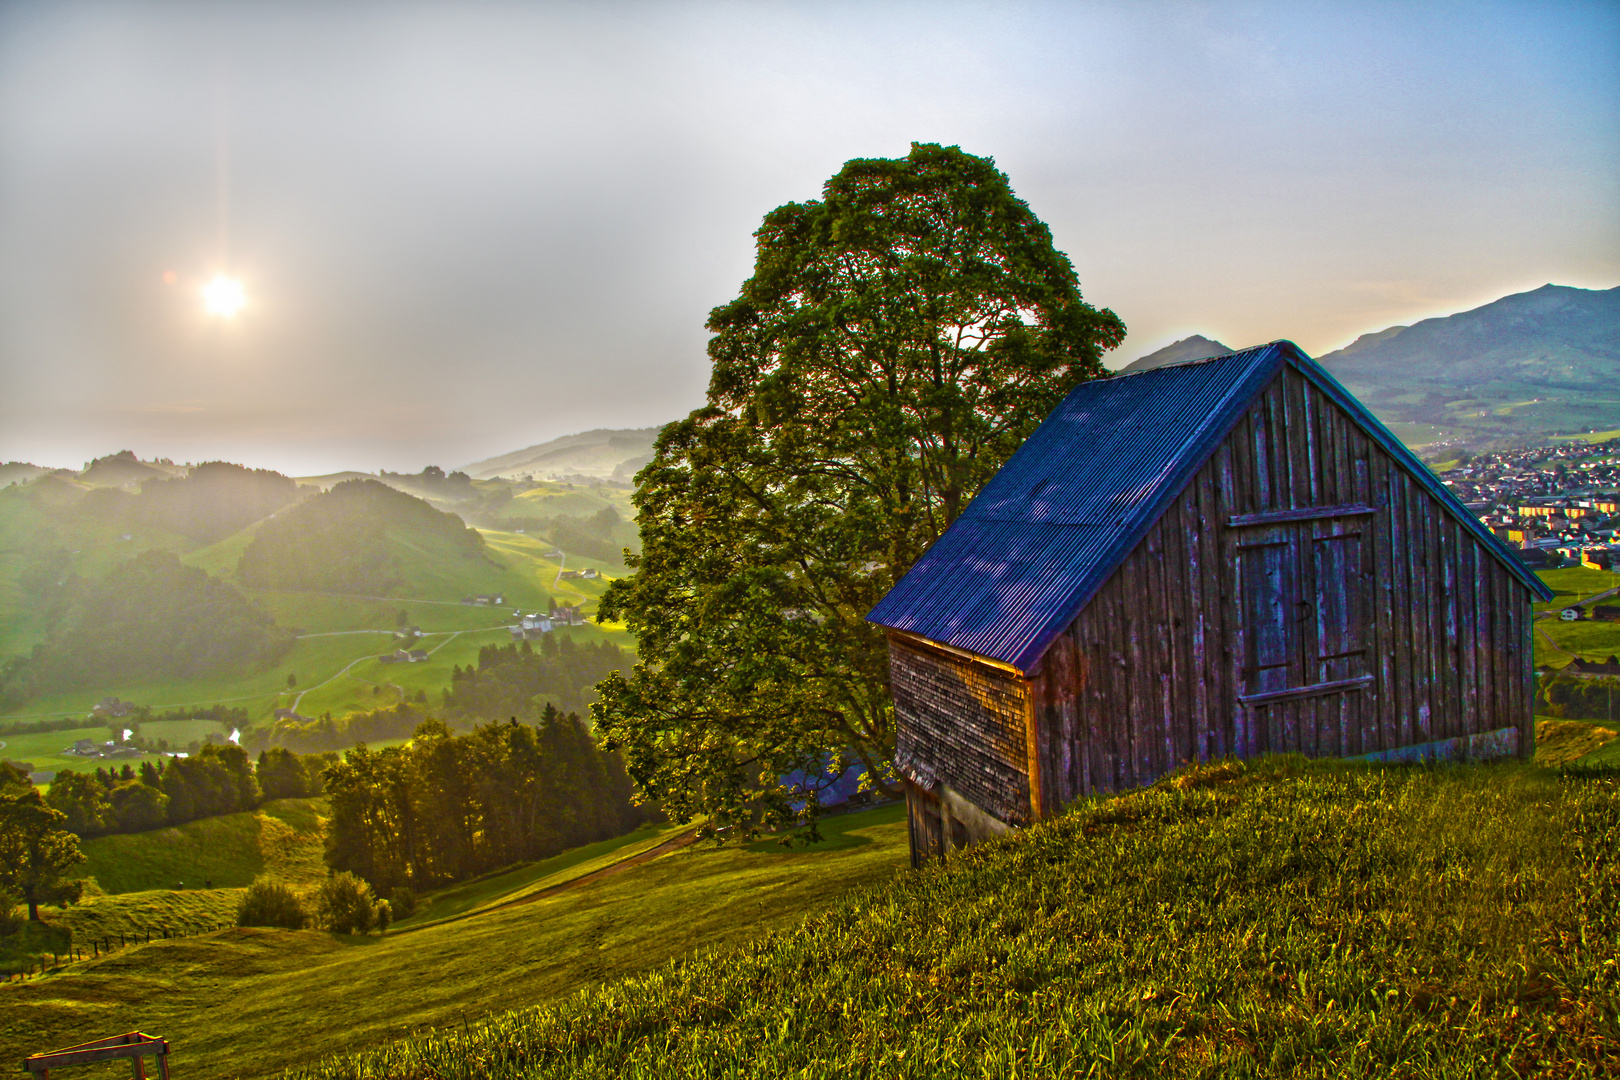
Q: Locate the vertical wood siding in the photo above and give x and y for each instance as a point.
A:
(1149, 675)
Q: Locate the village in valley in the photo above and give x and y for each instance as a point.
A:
(1559, 504)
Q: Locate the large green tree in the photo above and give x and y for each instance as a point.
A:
(35, 849)
(899, 339)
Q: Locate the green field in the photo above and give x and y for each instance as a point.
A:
(336, 666)
(1275, 919)
(282, 838)
(46, 750)
(1590, 639)
(296, 996)
(181, 880)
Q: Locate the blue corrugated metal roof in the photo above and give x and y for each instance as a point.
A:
(1066, 509)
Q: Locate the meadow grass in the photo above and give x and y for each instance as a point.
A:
(1567, 742)
(1590, 639)
(1573, 584)
(130, 879)
(251, 1002)
(507, 885)
(1280, 918)
(282, 838)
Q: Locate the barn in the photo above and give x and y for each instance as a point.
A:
(1230, 556)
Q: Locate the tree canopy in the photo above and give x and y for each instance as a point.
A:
(35, 849)
(899, 339)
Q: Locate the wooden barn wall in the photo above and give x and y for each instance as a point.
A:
(1148, 676)
(965, 723)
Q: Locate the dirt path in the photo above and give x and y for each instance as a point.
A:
(674, 843)
(1551, 643)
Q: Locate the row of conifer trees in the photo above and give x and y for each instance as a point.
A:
(449, 807)
(172, 791)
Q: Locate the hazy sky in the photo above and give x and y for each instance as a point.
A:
(465, 228)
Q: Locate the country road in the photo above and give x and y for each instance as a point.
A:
(449, 636)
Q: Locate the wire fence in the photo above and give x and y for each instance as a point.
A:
(49, 961)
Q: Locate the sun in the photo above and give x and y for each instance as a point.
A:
(223, 297)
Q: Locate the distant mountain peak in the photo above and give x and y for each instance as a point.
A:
(1197, 347)
(1510, 372)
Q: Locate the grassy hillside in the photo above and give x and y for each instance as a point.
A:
(1281, 919)
(183, 880)
(281, 838)
(250, 1002)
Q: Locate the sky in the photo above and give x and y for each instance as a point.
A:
(466, 228)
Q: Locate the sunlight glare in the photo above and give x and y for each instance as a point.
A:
(223, 297)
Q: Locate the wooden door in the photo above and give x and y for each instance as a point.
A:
(1305, 600)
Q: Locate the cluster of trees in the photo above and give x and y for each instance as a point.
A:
(342, 904)
(1569, 698)
(212, 501)
(325, 734)
(338, 541)
(449, 807)
(599, 536)
(520, 680)
(899, 339)
(434, 483)
(150, 617)
(173, 791)
(35, 848)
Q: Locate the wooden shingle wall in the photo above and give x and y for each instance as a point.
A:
(962, 722)
(1150, 674)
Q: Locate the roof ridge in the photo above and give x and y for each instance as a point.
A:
(1123, 374)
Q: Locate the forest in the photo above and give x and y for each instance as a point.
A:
(212, 501)
(147, 618)
(175, 790)
(1571, 698)
(338, 541)
(519, 680)
(449, 807)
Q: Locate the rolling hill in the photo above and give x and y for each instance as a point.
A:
(353, 538)
(603, 454)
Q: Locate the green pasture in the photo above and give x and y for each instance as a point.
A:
(26, 530)
(1281, 918)
(281, 838)
(1590, 639)
(1573, 585)
(181, 880)
(552, 499)
(547, 873)
(251, 1002)
(1589, 437)
(45, 750)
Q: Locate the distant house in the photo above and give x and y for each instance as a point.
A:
(1577, 666)
(567, 615)
(569, 575)
(531, 626)
(288, 714)
(416, 656)
(1225, 557)
(86, 747)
